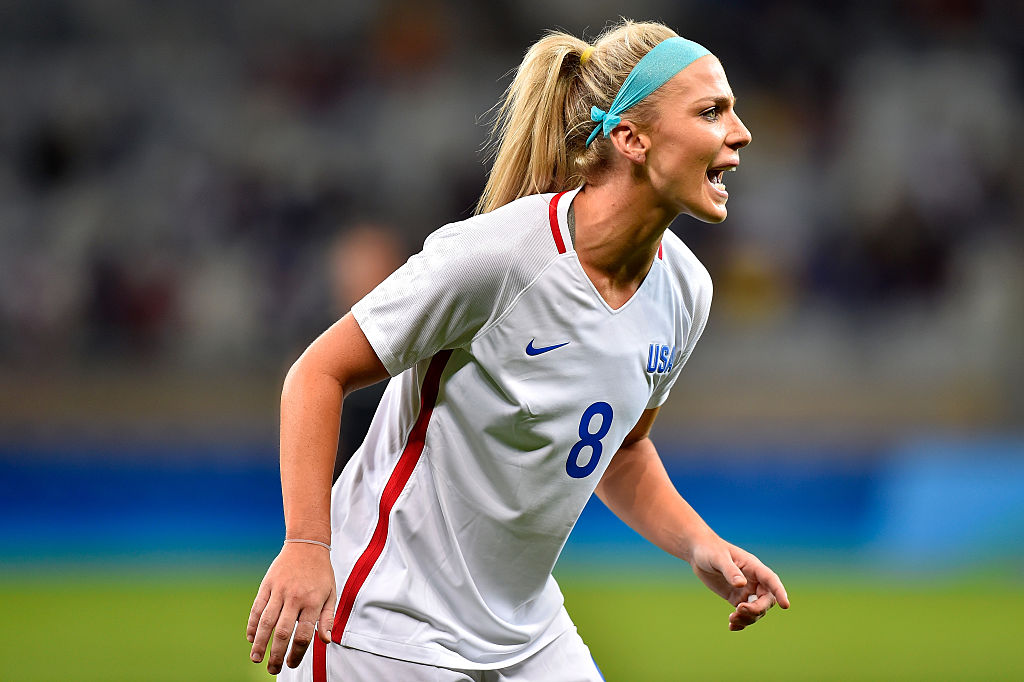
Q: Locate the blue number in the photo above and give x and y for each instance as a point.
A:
(588, 439)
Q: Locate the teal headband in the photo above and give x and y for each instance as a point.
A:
(668, 58)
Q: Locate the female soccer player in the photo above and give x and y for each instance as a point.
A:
(530, 348)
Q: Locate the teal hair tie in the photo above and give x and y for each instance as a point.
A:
(665, 60)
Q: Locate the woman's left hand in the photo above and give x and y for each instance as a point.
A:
(740, 578)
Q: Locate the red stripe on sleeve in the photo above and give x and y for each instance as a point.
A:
(661, 252)
(556, 231)
(396, 483)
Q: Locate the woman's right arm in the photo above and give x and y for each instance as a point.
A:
(299, 587)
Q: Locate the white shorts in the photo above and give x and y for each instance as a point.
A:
(566, 659)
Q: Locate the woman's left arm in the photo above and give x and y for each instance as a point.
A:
(637, 489)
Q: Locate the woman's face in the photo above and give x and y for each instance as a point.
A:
(695, 140)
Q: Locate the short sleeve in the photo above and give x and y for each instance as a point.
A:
(440, 298)
(699, 319)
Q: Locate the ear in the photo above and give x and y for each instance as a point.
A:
(630, 142)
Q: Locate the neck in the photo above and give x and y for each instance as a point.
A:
(618, 229)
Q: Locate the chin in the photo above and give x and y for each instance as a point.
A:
(715, 215)
(702, 208)
(705, 208)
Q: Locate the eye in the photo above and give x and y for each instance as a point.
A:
(711, 113)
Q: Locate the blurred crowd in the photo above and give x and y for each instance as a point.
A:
(180, 181)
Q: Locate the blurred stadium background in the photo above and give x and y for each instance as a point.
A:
(177, 184)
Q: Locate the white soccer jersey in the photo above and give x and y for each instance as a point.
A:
(514, 385)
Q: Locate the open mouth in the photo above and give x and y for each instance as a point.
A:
(716, 177)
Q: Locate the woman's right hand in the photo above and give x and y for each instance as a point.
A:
(298, 589)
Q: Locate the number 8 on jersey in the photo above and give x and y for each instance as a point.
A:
(593, 440)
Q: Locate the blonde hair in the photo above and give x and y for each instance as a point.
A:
(538, 139)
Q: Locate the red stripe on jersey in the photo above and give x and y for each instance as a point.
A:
(556, 231)
(399, 478)
(319, 659)
(661, 253)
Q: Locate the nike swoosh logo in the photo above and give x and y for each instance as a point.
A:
(531, 350)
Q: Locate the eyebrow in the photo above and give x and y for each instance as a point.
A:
(719, 100)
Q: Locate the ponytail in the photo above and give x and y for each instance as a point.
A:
(538, 139)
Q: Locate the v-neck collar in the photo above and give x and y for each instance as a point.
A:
(565, 240)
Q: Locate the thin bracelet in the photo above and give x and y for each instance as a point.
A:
(309, 542)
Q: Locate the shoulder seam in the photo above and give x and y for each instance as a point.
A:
(515, 300)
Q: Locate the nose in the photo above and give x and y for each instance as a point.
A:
(738, 136)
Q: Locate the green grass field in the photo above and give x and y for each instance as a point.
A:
(122, 626)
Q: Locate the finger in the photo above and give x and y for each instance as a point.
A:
(756, 605)
(264, 627)
(282, 635)
(258, 604)
(768, 578)
(303, 636)
(746, 614)
(724, 564)
(738, 621)
(326, 619)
